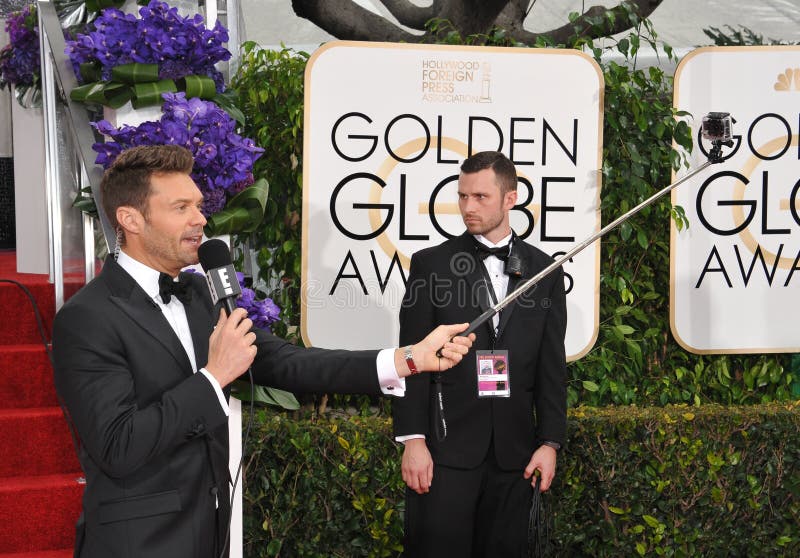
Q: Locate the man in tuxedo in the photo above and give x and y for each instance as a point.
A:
(475, 436)
(143, 361)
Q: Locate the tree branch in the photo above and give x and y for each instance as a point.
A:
(344, 19)
(411, 15)
(512, 18)
(595, 23)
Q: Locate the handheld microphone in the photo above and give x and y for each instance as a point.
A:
(215, 257)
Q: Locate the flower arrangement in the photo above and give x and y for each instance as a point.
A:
(180, 46)
(224, 160)
(125, 58)
(263, 313)
(19, 59)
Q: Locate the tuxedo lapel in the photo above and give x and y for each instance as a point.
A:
(505, 313)
(478, 289)
(142, 311)
(129, 297)
(529, 270)
(465, 263)
(200, 325)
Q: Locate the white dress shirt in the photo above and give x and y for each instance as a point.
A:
(496, 269)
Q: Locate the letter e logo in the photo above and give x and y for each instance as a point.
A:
(225, 282)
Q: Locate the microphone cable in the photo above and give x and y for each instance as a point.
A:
(36, 312)
(251, 412)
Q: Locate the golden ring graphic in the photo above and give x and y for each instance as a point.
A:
(386, 168)
(738, 211)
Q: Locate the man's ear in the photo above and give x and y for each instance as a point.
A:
(130, 219)
(510, 199)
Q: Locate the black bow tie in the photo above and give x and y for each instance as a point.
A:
(484, 252)
(167, 287)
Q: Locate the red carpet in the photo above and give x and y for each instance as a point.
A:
(40, 490)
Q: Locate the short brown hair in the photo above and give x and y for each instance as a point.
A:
(127, 181)
(503, 168)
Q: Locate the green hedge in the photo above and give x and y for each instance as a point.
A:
(665, 481)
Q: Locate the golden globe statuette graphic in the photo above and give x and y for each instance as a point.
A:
(486, 83)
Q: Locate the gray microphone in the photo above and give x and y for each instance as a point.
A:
(215, 257)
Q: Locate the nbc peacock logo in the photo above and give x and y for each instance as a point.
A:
(789, 80)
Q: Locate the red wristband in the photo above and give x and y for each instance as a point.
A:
(409, 360)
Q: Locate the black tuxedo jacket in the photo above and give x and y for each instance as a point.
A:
(446, 285)
(154, 439)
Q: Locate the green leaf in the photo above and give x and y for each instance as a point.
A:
(90, 72)
(198, 86)
(149, 94)
(651, 521)
(135, 72)
(267, 395)
(227, 102)
(243, 213)
(625, 230)
(274, 547)
(97, 5)
(589, 385)
(641, 121)
(624, 329)
(641, 238)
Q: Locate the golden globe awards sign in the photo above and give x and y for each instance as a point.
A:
(735, 272)
(386, 129)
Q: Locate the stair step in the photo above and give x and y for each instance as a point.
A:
(22, 327)
(64, 553)
(26, 377)
(37, 442)
(38, 513)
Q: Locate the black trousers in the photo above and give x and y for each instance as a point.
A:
(469, 513)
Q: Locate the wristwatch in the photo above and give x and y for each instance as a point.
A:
(555, 445)
(409, 360)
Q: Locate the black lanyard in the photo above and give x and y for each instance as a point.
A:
(441, 423)
(494, 334)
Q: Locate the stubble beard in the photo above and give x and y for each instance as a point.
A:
(170, 251)
(484, 227)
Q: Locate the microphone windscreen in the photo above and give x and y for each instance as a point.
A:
(214, 253)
